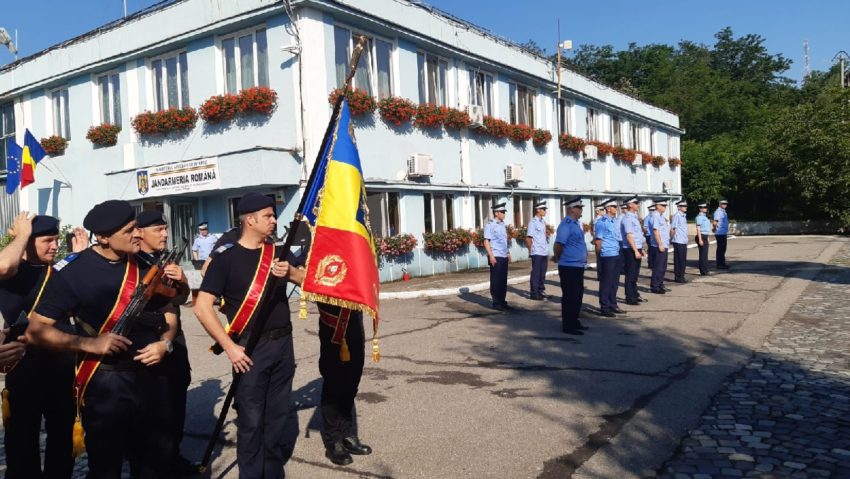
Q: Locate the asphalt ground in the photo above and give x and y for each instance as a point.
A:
(466, 391)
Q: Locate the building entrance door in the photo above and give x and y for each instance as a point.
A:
(182, 227)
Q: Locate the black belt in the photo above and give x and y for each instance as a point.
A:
(271, 334)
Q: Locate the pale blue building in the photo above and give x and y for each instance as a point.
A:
(183, 52)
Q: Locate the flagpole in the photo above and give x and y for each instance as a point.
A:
(268, 303)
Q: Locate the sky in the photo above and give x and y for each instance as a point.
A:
(783, 23)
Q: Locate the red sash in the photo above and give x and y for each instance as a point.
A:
(339, 323)
(255, 292)
(90, 363)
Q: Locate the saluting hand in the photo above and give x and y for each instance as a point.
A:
(22, 226)
(241, 362)
(151, 354)
(109, 343)
(79, 240)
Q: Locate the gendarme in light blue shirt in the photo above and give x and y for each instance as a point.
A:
(722, 220)
(497, 233)
(606, 232)
(537, 233)
(659, 222)
(680, 224)
(571, 237)
(703, 223)
(618, 220)
(631, 224)
(204, 245)
(647, 223)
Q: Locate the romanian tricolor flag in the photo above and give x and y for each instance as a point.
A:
(33, 153)
(342, 268)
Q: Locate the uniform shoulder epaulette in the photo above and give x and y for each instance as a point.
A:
(65, 261)
(223, 248)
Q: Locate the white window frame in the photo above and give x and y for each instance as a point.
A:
(565, 116)
(111, 98)
(423, 82)
(523, 208)
(6, 134)
(591, 118)
(531, 95)
(159, 104)
(490, 107)
(672, 146)
(634, 135)
(382, 214)
(222, 59)
(371, 57)
(653, 142)
(483, 204)
(617, 131)
(64, 112)
(448, 216)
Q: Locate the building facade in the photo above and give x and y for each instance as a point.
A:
(419, 180)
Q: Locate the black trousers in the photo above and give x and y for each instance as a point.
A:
(650, 260)
(721, 250)
(680, 259)
(703, 254)
(609, 281)
(128, 414)
(632, 266)
(499, 281)
(179, 377)
(572, 294)
(538, 275)
(340, 380)
(41, 385)
(262, 400)
(659, 267)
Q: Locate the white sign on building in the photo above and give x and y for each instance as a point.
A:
(182, 177)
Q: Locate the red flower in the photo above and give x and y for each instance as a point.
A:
(165, 121)
(359, 102)
(429, 115)
(456, 119)
(495, 127)
(519, 133)
(541, 137)
(103, 135)
(571, 143)
(54, 145)
(396, 110)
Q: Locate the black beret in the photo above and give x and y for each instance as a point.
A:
(108, 217)
(44, 226)
(150, 218)
(253, 202)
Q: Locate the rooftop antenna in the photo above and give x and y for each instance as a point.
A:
(842, 58)
(6, 40)
(807, 69)
(125, 8)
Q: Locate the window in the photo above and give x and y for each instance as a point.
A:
(432, 79)
(61, 118)
(482, 208)
(245, 59)
(109, 94)
(672, 146)
(374, 69)
(653, 148)
(383, 213)
(565, 113)
(7, 130)
(522, 101)
(634, 136)
(523, 209)
(592, 119)
(439, 212)
(481, 91)
(170, 82)
(616, 131)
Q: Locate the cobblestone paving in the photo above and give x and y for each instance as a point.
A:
(785, 414)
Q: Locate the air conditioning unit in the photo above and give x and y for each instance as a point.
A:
(476, 116)
(420, 165)
(638, 159)
(513, 173)
(591, 153)
(667, 186)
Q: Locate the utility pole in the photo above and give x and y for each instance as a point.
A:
(807, 69)
(566, 45)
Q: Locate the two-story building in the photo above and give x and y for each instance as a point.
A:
(419, 180)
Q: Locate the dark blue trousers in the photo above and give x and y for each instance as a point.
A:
(721, 250)
(538, 275)
(632, 270)
(703, 254)
(650, 259)
(499, 281)
(262, 400)
(609, 280)
(680, 259)
(572, 294)
(659, 267)
(340, 380)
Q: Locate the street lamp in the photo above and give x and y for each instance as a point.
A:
(5, 39)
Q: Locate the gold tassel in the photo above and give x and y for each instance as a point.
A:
(302, 310)
(7, 408)
(344, 353)
(79, 443)
(376, 353)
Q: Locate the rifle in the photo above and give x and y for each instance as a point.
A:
(152, 283)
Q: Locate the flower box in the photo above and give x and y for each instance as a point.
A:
(658, 161)
(602, 148)
(397, 245)
(519, 133)
(448, 241)
(674, 162)
(495, 127)
(396, 110)
(571, 143)
(359, 101)
(54, 145)
(429, 115)
(220, 108)
(165, 121)
(626, 155)
(260, 99)
(103, 135)
(456, 119)
(645, 158)
(541, 137)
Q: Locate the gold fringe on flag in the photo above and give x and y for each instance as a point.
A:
(344, 353)
(376, 353)
(321, 298)
(302, 310)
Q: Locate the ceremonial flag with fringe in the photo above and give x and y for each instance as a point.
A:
(342, 267)
(32, 154)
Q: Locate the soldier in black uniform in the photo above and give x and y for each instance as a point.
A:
(154, 241)
(40, 384)
(341, 357)
(262, 396)
(125, 408)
